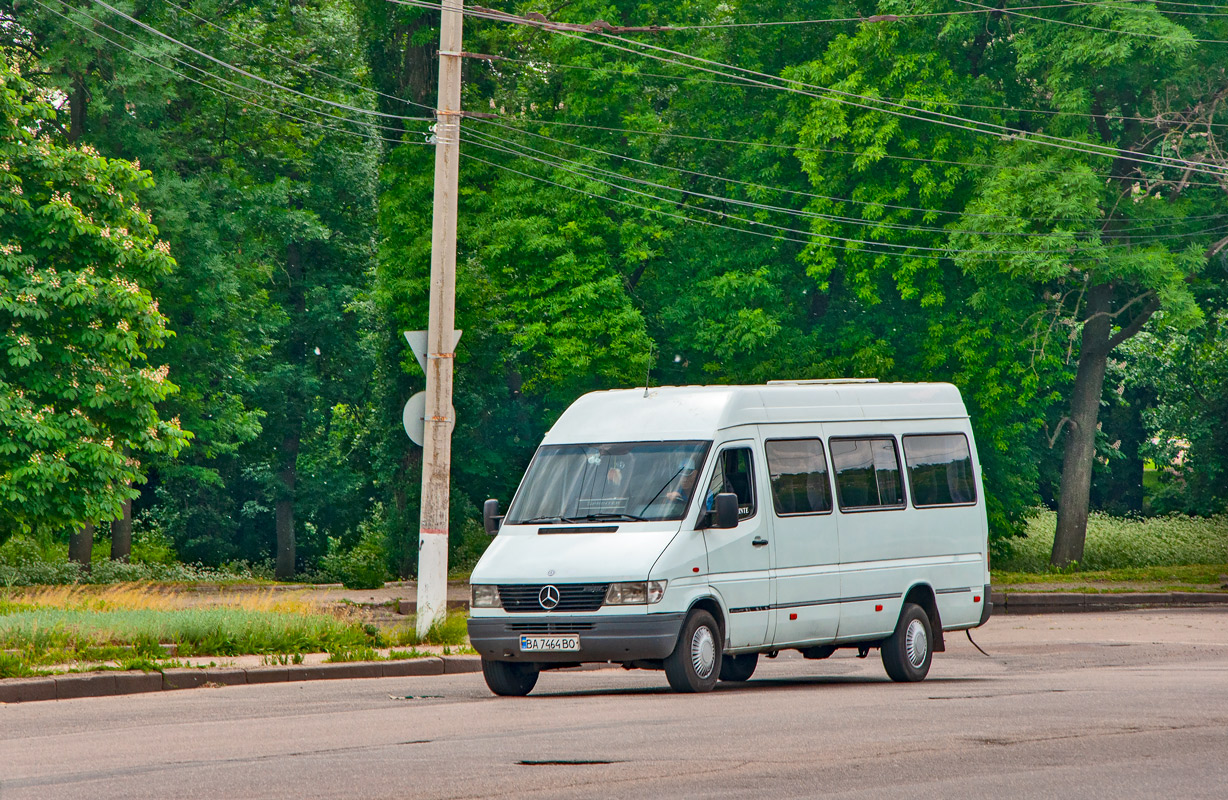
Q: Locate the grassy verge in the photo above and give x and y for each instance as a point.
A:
(149, 627)
(1211, 576)
(1116, 544)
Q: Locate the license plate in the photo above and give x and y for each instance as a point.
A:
(567, 643)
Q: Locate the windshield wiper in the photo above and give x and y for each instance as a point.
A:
(545, 519)
(604, 517)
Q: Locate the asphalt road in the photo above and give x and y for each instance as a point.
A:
(1115, 705)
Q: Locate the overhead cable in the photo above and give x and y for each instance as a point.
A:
(246, 73)
(209, 74)
(289, 60)
(1093, 27)
(923, 211)
(1158, 119)
(842, 97)
(244, 100)
(557, 160)
(804, 149)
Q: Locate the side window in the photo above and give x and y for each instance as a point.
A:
(939, 469)
(734, 473)
(867, 473)
(798, 470)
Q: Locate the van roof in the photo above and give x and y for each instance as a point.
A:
(698, 412)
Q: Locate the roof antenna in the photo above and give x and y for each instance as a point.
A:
(648, 373)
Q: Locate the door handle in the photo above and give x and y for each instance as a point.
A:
(758, 541)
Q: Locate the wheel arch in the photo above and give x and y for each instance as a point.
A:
(713, 607)
(923, 595)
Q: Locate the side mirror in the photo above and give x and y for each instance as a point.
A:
(491, 519)
(726, 510)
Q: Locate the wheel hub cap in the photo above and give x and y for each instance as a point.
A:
(916, 644)
(703, 652)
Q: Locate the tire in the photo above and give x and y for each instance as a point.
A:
(510, 678)
(907, 652)
(695, 663)
(739, 668)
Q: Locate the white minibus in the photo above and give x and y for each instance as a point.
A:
(691, 529)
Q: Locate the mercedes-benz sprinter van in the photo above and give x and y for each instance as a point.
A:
(691, 529)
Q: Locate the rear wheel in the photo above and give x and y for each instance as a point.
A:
(906, 654)
(696, 661)
(739, 668)
(510, 678)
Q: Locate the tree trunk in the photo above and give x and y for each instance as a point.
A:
(285, 507)
(121, 535)
(288, 472)
(1080, 446)
(78, 100)
(81, 545)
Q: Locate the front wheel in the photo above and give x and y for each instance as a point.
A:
(695, 663)
(739, 668)
(509, 678)
(906, 654)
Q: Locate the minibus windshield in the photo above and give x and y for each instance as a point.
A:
(624, 481)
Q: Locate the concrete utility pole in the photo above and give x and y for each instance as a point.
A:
(437, 444)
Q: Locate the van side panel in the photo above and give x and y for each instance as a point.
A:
(885, 552)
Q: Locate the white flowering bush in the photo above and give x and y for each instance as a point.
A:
(78, 394)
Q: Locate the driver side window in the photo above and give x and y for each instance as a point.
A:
(734, 473)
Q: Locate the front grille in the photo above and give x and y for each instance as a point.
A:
(522, 598)
(548, 628)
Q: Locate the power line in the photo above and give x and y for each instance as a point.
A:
(1158, 120)
(923, 256)
(1095, 28)
(247, 74)
(949, 120)
(289, 60)
(854, 220)
(205, 72)
(805, 149)
(244, 100)
(554, 160)
(846, 98)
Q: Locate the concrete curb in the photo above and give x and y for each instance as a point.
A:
(107, 684)
(1008, 602)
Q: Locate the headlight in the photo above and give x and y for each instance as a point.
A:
(484, 596)
(637, 593)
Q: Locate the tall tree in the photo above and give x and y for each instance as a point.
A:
(78, 393)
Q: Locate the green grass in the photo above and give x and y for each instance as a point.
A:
(42, 637)
(1117, 543)
(453, 630)
(1212, 576)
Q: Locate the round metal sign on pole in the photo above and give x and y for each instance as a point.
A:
(413, 417)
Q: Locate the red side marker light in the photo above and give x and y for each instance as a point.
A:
(793, 616)
(976, 598)
(878, 608)
(694, 569)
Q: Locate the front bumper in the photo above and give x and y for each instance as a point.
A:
(602, 638)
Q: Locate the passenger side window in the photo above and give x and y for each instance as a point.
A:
(734, 473)
(798, 470)
(867, 473)
(939, 469)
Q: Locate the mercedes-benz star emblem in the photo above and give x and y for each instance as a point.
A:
(548, 597)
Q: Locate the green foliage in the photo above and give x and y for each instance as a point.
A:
(25, 561)
(1116, 543)
(49, 634)
(78, 395)
(364, 566)
(864, 244)
(452, 630)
